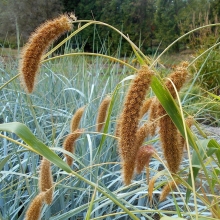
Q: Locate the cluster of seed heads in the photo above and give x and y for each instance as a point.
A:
(131, 137)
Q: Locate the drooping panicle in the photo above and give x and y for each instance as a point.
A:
(169, 135)
(178, 77)
(102, 113)
(34, 210)
(46, 181)
(76, 119)
(69, 144)
(170, 186)
(129, 121)
(144, 155)
(37, 44)
(145, 107)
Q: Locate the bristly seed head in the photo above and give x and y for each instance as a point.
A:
(37, 44)
(170, 186)
(34, 210)
(69, 144)
(46, 181)
(102, 113)
(129, 121)
(76, 119)
(143, 157)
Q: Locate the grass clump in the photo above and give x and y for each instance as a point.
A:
(88, 183)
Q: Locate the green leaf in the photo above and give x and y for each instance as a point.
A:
(4, 161)
(26, 135)
(140, 60)
(91, 205)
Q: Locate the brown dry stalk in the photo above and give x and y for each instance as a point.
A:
(214, 208)
(129, 121)
(170, 186)
(145, 107)
(102, 113)
(46, 181)
(37, 44)
(69, 144)
(34, 210)
(76, 119)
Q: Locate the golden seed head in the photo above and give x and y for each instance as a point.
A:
(130, 117)
(145, 107)
(127, 171)
(37, 44)
(178, 77)
(102, 113)
(141, 134)
(46, 181)
(69, 144)
(143, 157)
(34, 210)
(170, 143)
(170, 186)
(153, 116)
(151, 187)
(76, 119)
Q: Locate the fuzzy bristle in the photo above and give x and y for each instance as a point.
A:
(145, 107)
(178, 77)
(169, 135)
(143, 157)
(34, 210)
(76, 119)
(151, 187)
(129, 120)
(37, 44)
(170, 143)
(170, 186)
(69, 144)
(153, 116)
(46, 181)
(102, 113)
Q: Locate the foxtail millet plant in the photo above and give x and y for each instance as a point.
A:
(34, 210)
(74, 124)
(69, 144)
(102, 113)
(46, 181)
(37, 44)
(129, 121)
